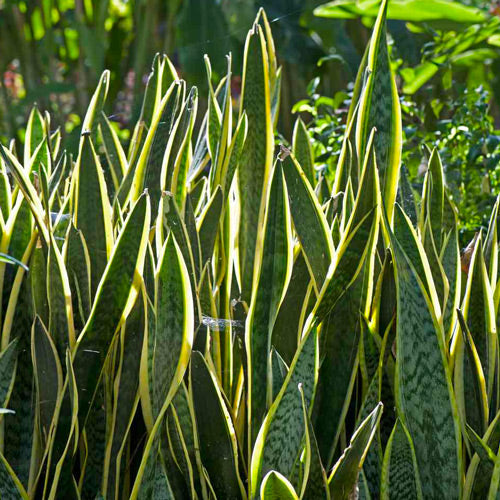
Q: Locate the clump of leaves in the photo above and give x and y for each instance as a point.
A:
(203, 317)
(458, 123)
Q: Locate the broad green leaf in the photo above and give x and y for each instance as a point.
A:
(405, 10)
(308, 219)
(280, 438)
(379, 108)
(256, 157)
(214, 429)
(424, 384)
(275, 486)
(400, 477)
(344, 474)
(272, 277)
(115, 297)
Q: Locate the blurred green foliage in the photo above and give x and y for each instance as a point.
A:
(53, 51)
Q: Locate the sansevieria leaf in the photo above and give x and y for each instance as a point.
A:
(256, 156)
(345, 472)
(400, 478)
(280, 438)
(424, 384)
(275, 486)
(114, 299)
(308, 219)
(92, 210)
(272, 280)
(166, 344)
(379, 108)
(214, 430)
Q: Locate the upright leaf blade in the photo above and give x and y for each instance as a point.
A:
(379, 108)
(424, 384)
(256, 156)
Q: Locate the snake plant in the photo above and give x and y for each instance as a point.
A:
(204, 315)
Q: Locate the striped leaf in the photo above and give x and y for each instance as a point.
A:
(92, 212)
(400, 477)
(424, 384)
(379, 108)
(480, 470)
(8, 361)
(256, 157)
(275, 486)
(48, 375)
(344, 474)
(214, 429)
(281, 436)
(302, 150)
(314, 484)
(125, 398)
(272, 280)
(478, 312)
(10, 486)
(167, 343)
(115, 297)
(208, 225)
(308, 219)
